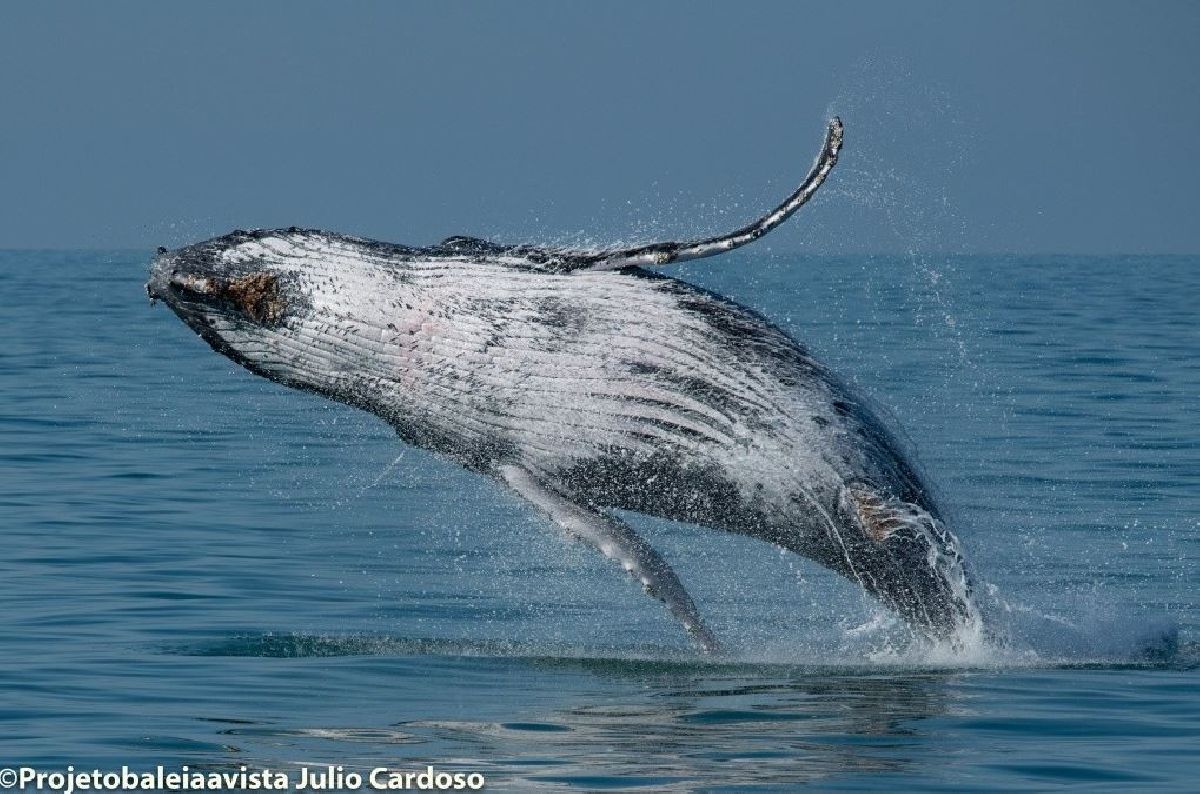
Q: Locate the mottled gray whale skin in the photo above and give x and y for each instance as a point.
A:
(585, 382)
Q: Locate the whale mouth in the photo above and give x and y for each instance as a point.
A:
(255, 296)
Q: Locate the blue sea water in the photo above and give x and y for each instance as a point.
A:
(200, 567)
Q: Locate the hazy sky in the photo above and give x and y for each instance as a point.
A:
(1028, 127)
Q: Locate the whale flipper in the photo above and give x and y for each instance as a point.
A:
(658, 254)
(925, 548)
(616, 541)
(559, 261)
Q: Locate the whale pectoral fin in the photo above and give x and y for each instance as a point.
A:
(562, 261)
(659, 254)
(878, 516)
(616, 541)
(938, 592)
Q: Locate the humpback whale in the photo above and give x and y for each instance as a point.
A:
(586, 381)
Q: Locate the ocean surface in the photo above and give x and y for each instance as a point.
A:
(200, 567)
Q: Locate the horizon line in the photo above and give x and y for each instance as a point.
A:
(793, 252)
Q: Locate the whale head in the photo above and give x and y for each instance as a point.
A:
(298, 307)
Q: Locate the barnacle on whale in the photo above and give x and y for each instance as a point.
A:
(258, 296)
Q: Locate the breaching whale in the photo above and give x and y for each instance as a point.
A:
(585, 382)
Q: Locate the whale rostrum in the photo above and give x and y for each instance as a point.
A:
(584, 381)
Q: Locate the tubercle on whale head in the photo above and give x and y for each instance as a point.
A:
(195, 276)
